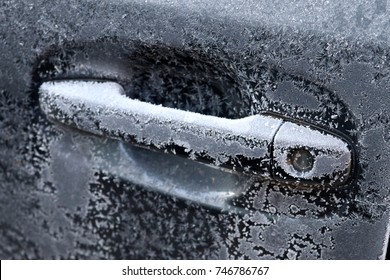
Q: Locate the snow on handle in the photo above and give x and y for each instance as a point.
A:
(102, 108)
(105, 103)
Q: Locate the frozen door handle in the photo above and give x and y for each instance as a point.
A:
(259, 144)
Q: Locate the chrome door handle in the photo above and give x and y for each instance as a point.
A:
(261, 145)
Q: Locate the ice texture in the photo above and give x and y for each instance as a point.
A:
(322, 62)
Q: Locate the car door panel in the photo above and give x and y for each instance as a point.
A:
(70, 194)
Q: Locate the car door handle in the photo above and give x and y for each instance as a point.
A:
(261, 145)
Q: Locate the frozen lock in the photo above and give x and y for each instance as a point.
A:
(261, 145)
(309, 155)
(301, 160)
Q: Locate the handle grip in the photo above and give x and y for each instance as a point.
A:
(261, 145)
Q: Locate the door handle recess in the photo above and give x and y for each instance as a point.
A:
(261, 145)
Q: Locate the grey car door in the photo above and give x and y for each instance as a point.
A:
(252, 99)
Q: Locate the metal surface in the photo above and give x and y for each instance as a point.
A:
(326, 63)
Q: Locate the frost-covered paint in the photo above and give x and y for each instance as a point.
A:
(323, 62)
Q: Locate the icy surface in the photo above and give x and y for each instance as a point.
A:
(244, 56)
